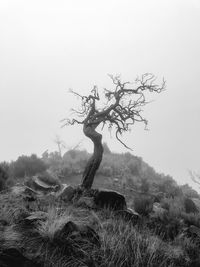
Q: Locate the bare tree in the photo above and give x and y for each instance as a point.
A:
(195, 177)
(121, 111)
(60, 144)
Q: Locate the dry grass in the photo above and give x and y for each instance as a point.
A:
(122, 245)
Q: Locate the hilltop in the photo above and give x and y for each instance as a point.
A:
(133, 216)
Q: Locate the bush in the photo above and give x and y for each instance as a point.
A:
(107, 171)
(27, 166)
(191, 219)
(190, 206)
(144, 187)
(167, 225)
(3, 175)
(143, 205)
(174, 205)
(168, 186)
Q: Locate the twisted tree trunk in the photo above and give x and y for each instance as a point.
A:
(94, 162)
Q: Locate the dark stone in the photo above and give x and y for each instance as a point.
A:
(80, 232)
(13, 258)
(67, 193)
(110, 199)
(67, 230)
(128, 215)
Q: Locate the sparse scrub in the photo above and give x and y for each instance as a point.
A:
(166, 225)
(27, 166)
(158, 238)
(191, 218)
(143, 204)
(3, 175)
(174, 205)
(190, 206)
(121, 244)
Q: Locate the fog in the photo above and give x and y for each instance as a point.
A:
(47, 47)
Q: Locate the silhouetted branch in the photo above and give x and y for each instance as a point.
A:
(123, 107)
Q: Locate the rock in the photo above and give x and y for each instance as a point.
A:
(75, 231)
(11, 257)
(110, 199)
(128, 215)
(29, 190)
(38, 215)
(29, 194)
(43, 183)
(66, 194)
(190, 206)
(67, 230)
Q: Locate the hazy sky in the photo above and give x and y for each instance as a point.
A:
(47, 47)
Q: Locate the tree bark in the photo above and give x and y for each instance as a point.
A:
(95, 161)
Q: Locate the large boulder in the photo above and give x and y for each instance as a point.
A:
(44, 183)
(110, 199)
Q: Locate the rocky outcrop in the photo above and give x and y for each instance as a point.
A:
(110, 199)
(42, 183)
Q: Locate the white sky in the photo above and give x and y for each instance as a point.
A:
(47, 47)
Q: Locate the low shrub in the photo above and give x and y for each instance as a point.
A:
(143, 204)
(191, 218)
(190, 206)
(3, 175)
(166, 225)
